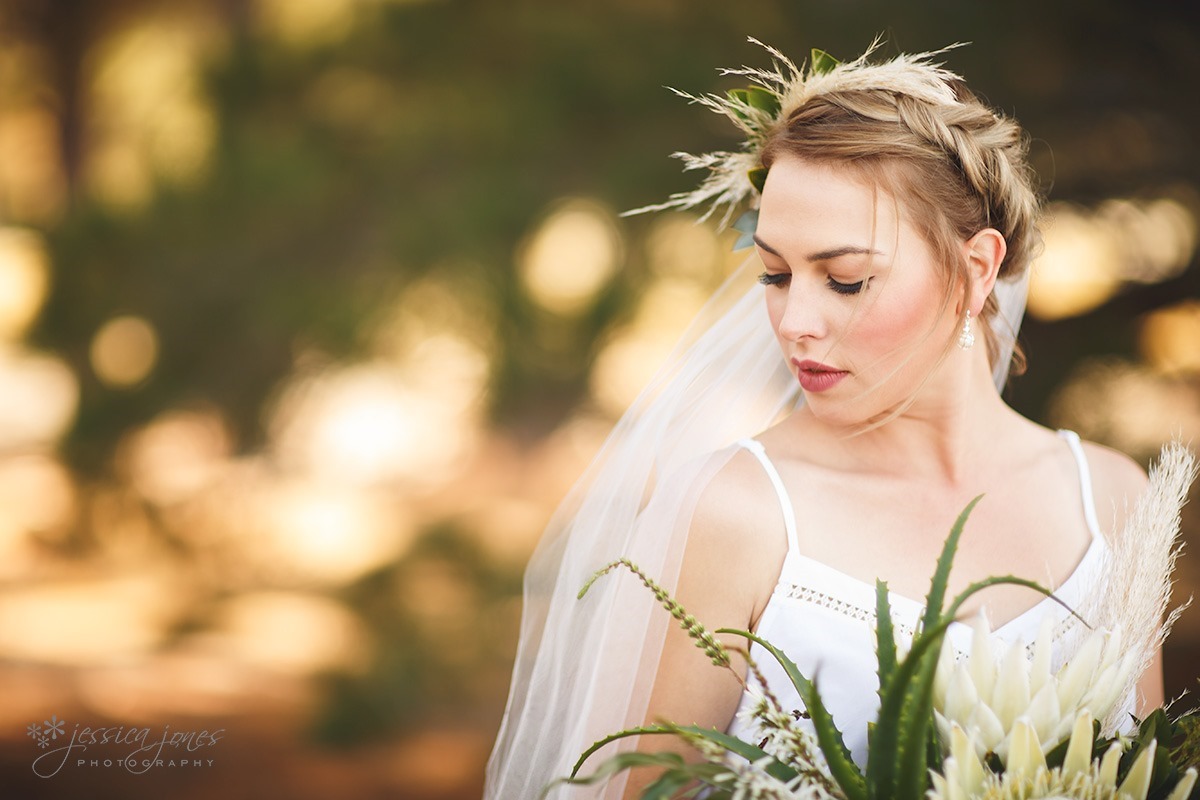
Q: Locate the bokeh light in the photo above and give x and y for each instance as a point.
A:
(176, 455)
(152, 119)
(570, 257)
(101, 620)
(1079, 268)
(379, 421)
(124, 351)
(37, 503)
(1089, 254)
(38, 398)
(24, 279)
(1129, 406)
(680, 246)
(1170, 338)
(317, 534)
(291, 632)
(306, 24)
(30, 164)
(629, 358)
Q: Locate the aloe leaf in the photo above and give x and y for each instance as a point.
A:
(997, 580)
(885, 635)
(913, 753)
(841, 766)
(888, 742)
(941, 575)
(898, 757)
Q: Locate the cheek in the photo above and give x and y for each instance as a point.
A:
(899, 323)
(776, 304)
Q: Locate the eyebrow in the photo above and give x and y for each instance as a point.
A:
(824, 255)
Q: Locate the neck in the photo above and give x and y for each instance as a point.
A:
(950, 428)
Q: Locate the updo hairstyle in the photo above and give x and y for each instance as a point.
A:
(957, 168)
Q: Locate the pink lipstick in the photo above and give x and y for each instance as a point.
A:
(817, 377)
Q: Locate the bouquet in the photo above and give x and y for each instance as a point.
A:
(990, 726)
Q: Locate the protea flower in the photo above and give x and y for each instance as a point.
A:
(1027, 776)
(991, 693)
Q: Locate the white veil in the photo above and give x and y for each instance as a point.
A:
(585, 668)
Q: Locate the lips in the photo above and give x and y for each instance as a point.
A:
(817, 377)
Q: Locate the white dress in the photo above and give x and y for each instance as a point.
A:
(824, 620)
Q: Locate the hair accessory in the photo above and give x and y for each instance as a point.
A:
(737, 176)
(966, 339)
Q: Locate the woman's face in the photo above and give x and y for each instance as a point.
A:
(853, 292)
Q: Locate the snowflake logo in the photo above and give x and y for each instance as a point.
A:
(54, 726)
(36, 733)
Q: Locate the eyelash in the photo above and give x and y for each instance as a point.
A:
(781, 279)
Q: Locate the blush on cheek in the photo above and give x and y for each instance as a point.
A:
(911, 315)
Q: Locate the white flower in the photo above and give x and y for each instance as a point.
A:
(988, 693)
(1028, 778)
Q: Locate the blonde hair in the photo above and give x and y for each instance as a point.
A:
(908, 125)
(955, 164)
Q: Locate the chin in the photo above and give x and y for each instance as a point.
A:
(853, 413)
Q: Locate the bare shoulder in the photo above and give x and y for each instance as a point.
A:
(1114, 472)
(1117, 482)
(737, 529)
(739, 506)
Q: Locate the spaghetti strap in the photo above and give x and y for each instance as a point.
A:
(1085, 481)
(785, 503)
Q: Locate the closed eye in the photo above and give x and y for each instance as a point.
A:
(774, 278)
(846, 288)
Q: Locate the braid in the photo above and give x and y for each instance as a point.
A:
(908, 125)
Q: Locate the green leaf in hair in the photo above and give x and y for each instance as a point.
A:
(758, 178)
(822, 62)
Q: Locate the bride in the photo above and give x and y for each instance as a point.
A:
(821, 428)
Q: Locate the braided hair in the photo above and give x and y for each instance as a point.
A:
(958, 167)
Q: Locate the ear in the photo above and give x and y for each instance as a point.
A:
(984, 253)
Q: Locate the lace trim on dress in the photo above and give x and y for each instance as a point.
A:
(805, 594)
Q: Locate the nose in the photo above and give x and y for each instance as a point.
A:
(803, 315)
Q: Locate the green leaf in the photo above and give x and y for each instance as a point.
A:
(666, 785)
(885, 635)
(941, 575)
(822, 62)
(758, 178)
(837, 755)
(776, 769)
(898, 718)
(617, 763)
(913, 774)
(979, 586)
(755, 97)
(612, 737)
(746, 225)
(763, 99)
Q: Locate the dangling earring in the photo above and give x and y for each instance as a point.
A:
(966, 339)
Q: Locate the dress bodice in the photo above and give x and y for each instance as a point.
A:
(824, 620)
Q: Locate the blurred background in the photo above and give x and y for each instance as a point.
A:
(311, 310)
